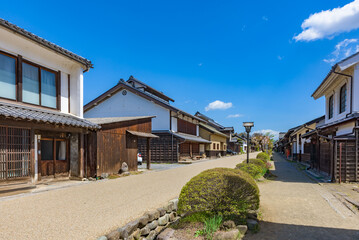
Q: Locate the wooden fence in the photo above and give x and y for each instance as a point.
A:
(346, 161)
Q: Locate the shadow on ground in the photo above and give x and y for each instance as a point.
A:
(278, 231)
(287, 172)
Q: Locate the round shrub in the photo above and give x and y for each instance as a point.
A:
(219, 191)
(263, 156)
(254, 170)
(259, 163)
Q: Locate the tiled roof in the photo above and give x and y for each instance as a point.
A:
(20, 112)
(191, 138)
(45, 43)
(122, 84)
(213, 130)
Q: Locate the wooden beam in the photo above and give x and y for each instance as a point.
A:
(81, 155)
(148, 153)
(32, 155)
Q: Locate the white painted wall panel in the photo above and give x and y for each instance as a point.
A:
(120, 105)
(17, 45)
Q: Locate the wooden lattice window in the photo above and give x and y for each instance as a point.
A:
(15, 146)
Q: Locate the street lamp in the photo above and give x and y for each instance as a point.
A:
(248, 126)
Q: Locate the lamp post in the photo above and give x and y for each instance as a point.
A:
(248, 126)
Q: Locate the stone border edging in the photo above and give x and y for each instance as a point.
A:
(147, 227)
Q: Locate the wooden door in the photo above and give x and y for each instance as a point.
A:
(54, 156)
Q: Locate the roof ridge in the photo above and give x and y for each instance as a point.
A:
(45, 43)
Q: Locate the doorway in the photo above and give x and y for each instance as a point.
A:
(54, 158)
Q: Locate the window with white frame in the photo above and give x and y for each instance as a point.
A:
(343, 99)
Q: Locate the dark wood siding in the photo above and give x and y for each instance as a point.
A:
(163, 149)
(113, 146)
(186, 127)
(346, 168)
(325, 156)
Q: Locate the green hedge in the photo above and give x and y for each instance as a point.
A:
(258, 162)
(252, 169)
(222, 191)
(263, 156)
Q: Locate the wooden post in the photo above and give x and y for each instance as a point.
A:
(32, 155)
(148, 153)
(356, 155)
(190, 150)
(81, 155)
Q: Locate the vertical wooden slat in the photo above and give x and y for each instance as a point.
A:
(148, 153)
(334, 176)
(81, 155)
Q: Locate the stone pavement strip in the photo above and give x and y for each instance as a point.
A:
(295, 207)
(91, 210)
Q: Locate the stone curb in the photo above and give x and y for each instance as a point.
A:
(148, 226)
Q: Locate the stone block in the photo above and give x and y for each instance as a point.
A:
(166, 234)
(170, 207)
(102, 238)
(172, 216)
(152, 225)
(229, 235)
(151, 236)
(162, 211)
(153, 215)
(131, 227)
(145, 231)
(114, 235)
(162, 221)
(252, 224)
(142, 221)
(242, 229)
(175, 204)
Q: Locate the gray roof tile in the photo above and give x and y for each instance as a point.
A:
(41, 115)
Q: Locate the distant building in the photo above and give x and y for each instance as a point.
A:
(178, 130)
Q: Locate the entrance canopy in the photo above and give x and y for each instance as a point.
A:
(142, 134)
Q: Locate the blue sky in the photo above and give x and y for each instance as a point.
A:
(252, 54)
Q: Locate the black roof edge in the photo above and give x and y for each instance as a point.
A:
(45, 43)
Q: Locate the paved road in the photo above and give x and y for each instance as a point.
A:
(294, 207)
(90, 210)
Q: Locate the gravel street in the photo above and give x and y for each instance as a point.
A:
(87, 211)
(295, 207)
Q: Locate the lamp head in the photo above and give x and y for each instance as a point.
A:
(248, 126)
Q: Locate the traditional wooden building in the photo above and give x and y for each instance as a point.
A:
(232, 142)
(115, 143)
(302, 147)
(337, 139)
(178, 130)
(218, 145)
(41, 124)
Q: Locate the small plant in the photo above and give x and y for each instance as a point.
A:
(211, 225)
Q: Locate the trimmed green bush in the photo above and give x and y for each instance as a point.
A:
(259, 163)
(219, 191)
(252, 169)
(263, 156)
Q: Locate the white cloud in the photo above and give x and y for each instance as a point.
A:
(272, 132)
(200, 64)
(218, 105)
(280, 58)
(326, 24)
(264, 18)
(342, 50)
(234, 115)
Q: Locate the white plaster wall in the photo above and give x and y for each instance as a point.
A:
(356, 88)
(174, 124)
(119, 105)
(17, 45)
(336, 99)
